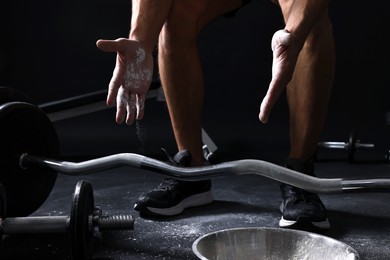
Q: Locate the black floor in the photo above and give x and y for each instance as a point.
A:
(358, 219)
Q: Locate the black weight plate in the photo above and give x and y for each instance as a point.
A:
(352, 147)
(8, 94)
(24, 128)
(3, 208)
(81, 232)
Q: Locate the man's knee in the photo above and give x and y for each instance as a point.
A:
(186, 15)
(183, 24)
(321, 32)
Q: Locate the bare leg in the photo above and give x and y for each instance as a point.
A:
(182, 80)
(308, 96)
(309, 90)
(147, 19)
(181, 69)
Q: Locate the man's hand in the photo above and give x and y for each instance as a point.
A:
(131, 78)
(285, 54)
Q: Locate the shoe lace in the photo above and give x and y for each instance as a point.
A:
(297, 195)
(166, 184)
(170, 183)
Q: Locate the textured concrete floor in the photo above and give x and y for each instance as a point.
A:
(360, 220)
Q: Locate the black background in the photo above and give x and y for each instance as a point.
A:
(47, 50)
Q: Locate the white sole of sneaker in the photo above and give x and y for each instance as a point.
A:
(199, 199)
(284, 223)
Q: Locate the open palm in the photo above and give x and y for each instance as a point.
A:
(131, 78)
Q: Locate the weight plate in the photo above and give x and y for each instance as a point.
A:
(24, 128)
(81, 231)
(352, 147)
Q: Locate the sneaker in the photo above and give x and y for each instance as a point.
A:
(172, 196)
(302, 209)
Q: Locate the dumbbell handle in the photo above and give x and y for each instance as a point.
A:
(35, 225)
(344, 145)
(60, 224)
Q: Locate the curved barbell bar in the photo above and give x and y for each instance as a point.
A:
(238, 167)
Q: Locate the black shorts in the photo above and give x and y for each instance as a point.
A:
(231, 14)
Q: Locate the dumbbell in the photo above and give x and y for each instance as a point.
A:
(83, 223)
(351, 146)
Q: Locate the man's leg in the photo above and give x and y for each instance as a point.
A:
(308, 95)
(182, 79)
(309, 90)
(181, 69)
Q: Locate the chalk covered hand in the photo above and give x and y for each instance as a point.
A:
(131, 78)
(285, 53)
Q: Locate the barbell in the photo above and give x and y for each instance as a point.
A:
(82, 225)
(351, 146)
(29, 166)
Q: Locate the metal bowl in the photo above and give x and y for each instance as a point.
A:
(270, 243)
